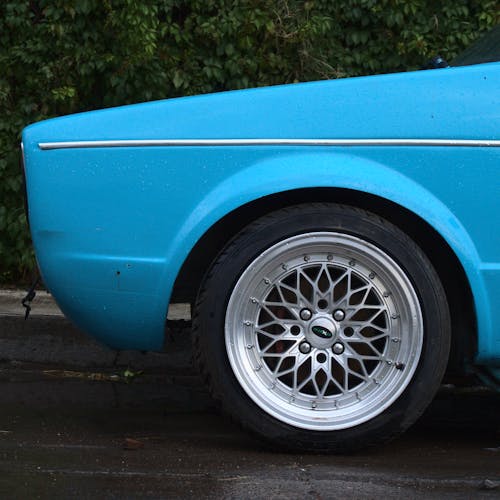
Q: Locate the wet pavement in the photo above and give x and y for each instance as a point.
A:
(132, 425)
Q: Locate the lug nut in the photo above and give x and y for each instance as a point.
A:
(305, 348)
(338, 315)
(305, 314)
(337, 348)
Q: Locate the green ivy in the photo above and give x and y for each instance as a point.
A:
(64, 56)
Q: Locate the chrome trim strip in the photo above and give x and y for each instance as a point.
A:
(22, 154)
(268, 142)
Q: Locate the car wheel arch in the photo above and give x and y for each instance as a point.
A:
(449, 267)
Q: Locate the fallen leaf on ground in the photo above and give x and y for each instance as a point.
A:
(132, 444)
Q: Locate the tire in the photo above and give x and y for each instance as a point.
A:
(322, 327)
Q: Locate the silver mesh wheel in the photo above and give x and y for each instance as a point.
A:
(323, 331)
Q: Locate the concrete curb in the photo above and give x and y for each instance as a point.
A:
(44, 305)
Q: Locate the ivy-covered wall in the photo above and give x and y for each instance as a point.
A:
(64, 56)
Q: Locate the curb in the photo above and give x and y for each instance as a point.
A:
(44, 305)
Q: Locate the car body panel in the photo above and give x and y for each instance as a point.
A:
(363, 107)
(112, 225)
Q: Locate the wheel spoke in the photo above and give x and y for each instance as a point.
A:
(336, 287)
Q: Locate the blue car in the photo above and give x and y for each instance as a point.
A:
(338, 241)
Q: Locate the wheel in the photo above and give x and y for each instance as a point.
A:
(322, 327)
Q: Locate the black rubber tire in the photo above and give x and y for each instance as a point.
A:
(210, 310)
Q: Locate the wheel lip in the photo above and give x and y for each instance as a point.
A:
(314, 419)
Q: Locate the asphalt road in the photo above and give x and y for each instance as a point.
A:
(79, 420)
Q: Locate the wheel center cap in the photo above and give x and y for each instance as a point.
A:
(322, 332)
